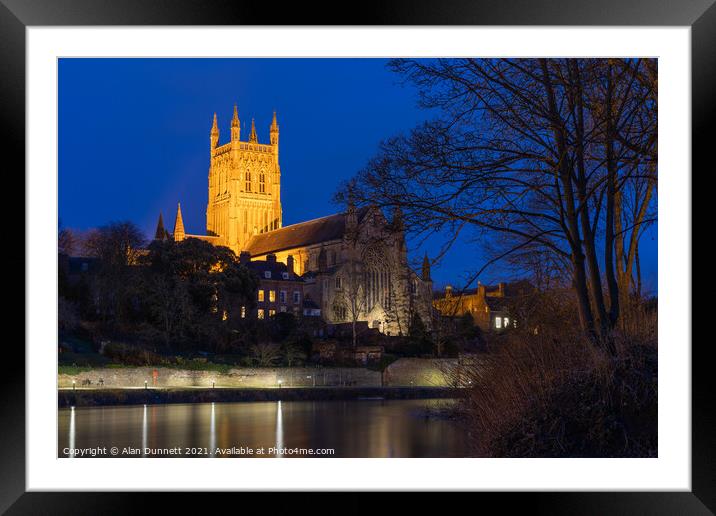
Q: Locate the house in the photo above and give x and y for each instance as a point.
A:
(488, 305)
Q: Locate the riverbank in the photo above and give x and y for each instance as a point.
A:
(106, 397)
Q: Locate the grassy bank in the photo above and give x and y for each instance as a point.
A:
(101, 397)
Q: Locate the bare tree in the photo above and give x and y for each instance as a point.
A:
(351, 294)
(265, 354)
(539, 151)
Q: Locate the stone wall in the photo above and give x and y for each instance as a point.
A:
(405, 372)
(438, 372)
(239, 377)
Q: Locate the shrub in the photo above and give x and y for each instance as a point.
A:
(547, 396)
(132, 355)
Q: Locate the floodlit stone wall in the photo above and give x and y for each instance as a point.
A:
(127, 377)
(423, 372)
(405, 372)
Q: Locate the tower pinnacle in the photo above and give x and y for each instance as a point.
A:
(179, 233)
(235, 125)
(274, 130)
(253, 138)
(214, 133)
(426, 268)
(161, 233)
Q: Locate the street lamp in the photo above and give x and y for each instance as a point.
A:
(213, 384)
(145, 384)
(73, 385)
(279, 383)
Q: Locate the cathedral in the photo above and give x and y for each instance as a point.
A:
(354, 264)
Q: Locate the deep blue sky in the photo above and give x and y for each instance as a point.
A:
(134, 137)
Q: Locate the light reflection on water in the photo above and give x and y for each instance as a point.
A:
(369, 428)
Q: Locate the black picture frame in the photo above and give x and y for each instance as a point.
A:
(16, 15)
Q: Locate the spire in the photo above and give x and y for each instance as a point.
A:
(235, 125)
(426, 268)
(274, 130)
(351, 216)
(161, 233)
(252, 137)
(214, 133)
(179, 226)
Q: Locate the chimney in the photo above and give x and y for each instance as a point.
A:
(289, 264)
(271, 258)
(244, 257)
(481, 290)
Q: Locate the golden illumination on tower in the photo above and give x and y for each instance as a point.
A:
(244, 185)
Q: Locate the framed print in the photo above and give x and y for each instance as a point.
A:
(429, 248)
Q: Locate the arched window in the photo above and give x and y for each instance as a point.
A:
(377, 278)
(262, 182)
(248, 180)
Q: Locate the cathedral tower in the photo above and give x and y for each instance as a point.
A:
(244, 186)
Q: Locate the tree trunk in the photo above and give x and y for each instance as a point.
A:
(611, 191)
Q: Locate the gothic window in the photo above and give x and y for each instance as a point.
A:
(262, 182)
(248, 181)
(377, 278)
(339, 312)
(339, 282)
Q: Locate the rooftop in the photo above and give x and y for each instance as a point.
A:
(302, 234)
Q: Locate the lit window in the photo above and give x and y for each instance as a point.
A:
(296, 296)
(272, 296)
(261, 313)
(507, 322)
(282, 296)
(225, 315)
(272, 313)
(243, 312)
(498, 322)
(261, 296)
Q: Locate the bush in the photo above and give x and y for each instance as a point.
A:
(542, 396)
(132, 355)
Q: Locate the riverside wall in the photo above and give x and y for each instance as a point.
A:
(405, 372)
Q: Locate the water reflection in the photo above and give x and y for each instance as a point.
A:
(71, 445)
(144, 431)
(370, 428)
(279, 429)
(212, 431)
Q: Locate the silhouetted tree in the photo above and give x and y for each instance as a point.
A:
(543, 152)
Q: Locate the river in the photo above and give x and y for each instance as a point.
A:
(360, 428)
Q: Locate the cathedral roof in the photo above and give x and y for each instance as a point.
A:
(302, 234)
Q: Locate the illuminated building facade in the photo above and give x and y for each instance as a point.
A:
(354, 264)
